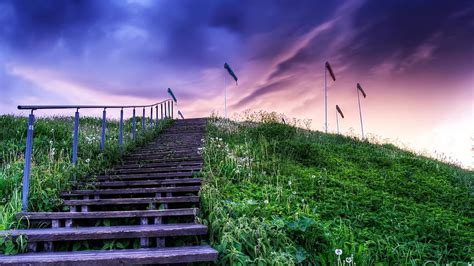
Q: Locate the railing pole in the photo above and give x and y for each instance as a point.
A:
(76, 137)
(157, 121)
(134, 126)
(172, 112)
(169, 110)
(104, 124)
(151, 117)
(161, 113)
(121, 129)
(143, 122)
(28, 153)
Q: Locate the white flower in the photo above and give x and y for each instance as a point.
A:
(294, 192)
(313, 176)
(88, 160)
(289, 183)
(265, 201)
(349, 260)
(50, 142)
(338, 252)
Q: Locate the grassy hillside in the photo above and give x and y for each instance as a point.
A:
(276, 194)
(52, 171)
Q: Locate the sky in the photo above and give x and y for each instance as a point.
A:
(414, 59)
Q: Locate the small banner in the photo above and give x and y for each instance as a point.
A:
(339, 111)
(361, 90)
(172, 95)
(328, 66)
(231, 72)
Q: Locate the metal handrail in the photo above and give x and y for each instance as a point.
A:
(39, 107)
(164, 107)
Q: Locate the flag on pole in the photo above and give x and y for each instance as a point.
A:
(339, 111)
(361, 90)
(231, 72)
(328, 66)
(180, 114)
(172, 95)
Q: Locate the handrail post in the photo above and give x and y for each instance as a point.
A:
(161, 113)
(172, 113)
(76, 137)
(104, 125)
(157, 121)
(121, 129)
(134, 126)
(151, 117)
(143, 122)
(169, 110)
(28, 153)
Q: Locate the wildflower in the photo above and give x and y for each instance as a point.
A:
(88, 160)
(302, 200)
(349, 260)
(313, 176)
(52, 130)
(294, 192)
(338, 252)
(265, 201)
(289, 183)
(50, 142)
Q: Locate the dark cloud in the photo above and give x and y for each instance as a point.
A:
(264, 90)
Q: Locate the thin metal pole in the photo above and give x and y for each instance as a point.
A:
(172, 112)
(337, 122)
(225, 98)
(151, 117)
(121, 129)
(76, 137)
(134, 125)
(169, 109)
(157, 120)
(360, 114)
(325, 100)
(26, 171)
(104, 124)
(143, 122)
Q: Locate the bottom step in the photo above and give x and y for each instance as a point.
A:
(116, 257)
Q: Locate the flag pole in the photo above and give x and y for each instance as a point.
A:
(337, 122)
(225, 99)
(360, 113)
(325, 100)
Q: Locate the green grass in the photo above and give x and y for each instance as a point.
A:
(281, 195)
(52, 170)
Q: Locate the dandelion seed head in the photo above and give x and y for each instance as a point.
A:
(338, 252)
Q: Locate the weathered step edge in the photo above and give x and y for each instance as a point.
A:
(186, 254)
(107, 214)
(111, 232)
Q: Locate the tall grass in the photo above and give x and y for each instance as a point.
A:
(280, 195)
(52, 170)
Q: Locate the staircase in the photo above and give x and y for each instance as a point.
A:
(150, 200)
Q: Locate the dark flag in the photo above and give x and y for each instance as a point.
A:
(172, 95)
(339, 111)
(231, 72)
(361, 90)
(180, 114)
(330, 71)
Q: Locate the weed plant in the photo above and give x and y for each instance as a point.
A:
(276, 194)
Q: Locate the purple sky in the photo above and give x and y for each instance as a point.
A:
(413, 58)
